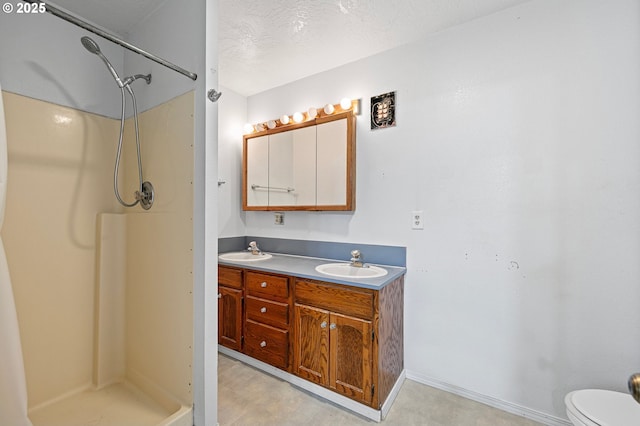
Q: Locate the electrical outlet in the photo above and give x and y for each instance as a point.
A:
(279, 218)
(417, 220)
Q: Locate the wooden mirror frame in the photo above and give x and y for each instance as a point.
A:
(350, 184)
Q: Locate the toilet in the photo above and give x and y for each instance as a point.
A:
(595, 407)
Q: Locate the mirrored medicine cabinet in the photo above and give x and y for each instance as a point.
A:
(304, 166)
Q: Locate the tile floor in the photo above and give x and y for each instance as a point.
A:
(247, 396)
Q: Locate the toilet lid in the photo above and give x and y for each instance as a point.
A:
(607, 408)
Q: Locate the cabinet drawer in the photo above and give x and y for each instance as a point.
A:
(268, 312)
(267, 286)
(266, 343)
(230, 277)
(336, 298)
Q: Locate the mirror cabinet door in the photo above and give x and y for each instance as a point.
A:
(257, 171)
(292, 168)
(332, 184)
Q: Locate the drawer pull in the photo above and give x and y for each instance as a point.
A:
(263, 344)
(263, 310)
(219, 295)
(323, 324)
(264, 284)
(332, 326)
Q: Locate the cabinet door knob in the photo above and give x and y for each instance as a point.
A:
(332, 326)
(263, 344)
(264, 284)
(263, 309)
(219, 295)
(323, 324)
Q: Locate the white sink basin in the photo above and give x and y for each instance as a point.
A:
(244, 256)
(345, 270)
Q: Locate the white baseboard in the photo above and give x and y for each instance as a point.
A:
(393, 394)
(509, 407)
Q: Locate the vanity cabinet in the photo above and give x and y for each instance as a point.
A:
(266, 327)
(230, 297)
(350, 339)
(345, 338)
(334, 337)
(334, 351)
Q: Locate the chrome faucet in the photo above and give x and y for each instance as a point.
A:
(253, 248)
(356, 259)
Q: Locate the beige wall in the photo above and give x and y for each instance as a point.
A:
(60, 178)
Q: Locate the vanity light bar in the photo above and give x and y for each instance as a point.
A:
(312, 113)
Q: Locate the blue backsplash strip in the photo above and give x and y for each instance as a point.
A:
(232, 244)
(383, 255)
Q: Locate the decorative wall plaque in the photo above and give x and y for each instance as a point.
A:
(383, 111)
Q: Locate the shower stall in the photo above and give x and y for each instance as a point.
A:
(103, 294)
(104, 289)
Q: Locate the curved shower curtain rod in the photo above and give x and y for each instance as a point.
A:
(79, 22)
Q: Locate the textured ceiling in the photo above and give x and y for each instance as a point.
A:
(265, 44)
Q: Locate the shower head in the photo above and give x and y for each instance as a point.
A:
(93, 47)
(90, 45)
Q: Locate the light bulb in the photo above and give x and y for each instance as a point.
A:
(298, 117)
(328, 109)
(248, 128)
(312, 113)
(345, 103)
(284, 119)
(259, 127)
(271, 124)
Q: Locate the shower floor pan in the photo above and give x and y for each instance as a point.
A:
(115, 405)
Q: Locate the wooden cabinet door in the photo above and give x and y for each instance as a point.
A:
(311, 346)
(230, 317)
(350, 347)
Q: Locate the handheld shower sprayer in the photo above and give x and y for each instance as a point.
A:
(93, 47)
(145, 194)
